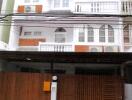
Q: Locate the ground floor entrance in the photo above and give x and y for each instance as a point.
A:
(29, 86)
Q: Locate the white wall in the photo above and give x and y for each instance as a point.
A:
(14, 37)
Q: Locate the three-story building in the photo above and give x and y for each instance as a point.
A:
(71, 26)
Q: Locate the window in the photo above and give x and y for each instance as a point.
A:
(110, 34)
(37, 33)
(27, 33)
(61, 3)
(102, 34)
(90, 34)
(81, 35)
(94, 7)
(35, 0)
(65, 3)
(106, 30)
(27, 8)
(27, 1)
(56, 3)
(60, 35)
(126, 34)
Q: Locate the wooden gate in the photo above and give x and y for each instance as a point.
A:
(29, 86)
(91, 87)
(23, 86)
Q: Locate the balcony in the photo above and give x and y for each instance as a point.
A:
(56, 47)
(3, 46)
(69, 47)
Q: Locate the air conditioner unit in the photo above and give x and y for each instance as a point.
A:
(95, 49)
(111, 49)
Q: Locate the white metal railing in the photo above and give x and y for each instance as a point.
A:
(56, 47)
(3, 46)
(123, 7)
(101, 7)
(126, 7)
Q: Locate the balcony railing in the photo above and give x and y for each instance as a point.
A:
(56, 47)
(3, 46)
(101, 7)
(107, 7)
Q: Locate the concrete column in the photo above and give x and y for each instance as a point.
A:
(128, 92)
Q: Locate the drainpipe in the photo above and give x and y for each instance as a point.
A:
(54, 88)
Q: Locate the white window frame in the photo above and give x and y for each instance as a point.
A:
(111, 35)
(27, 1)
(85, 29)
(24, 34)
(88, 34)
(35, 0)
(106, 34)
(129, 36)
(60, 5)
(40, 33)
(80, 32)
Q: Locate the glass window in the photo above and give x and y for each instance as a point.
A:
(102, 34)
(110, 34)
(65, 3)
(35, 0)
(37, 33)
(81, 35)
(90, 34)
(27, 33)
(27, 1)
(56, 3)
(60, 37)
(126, 34)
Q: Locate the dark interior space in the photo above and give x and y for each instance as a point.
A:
(98, 71)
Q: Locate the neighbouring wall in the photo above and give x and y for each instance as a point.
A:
(5, 28)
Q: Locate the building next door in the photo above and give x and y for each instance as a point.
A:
(29, 86)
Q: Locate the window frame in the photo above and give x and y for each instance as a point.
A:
(60, 4)
(106, 35)
(81, 34)
(127, 35)
(111, 34)
(90, 35)
(102, 29)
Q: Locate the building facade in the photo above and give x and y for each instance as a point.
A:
(68, 26)
(71, 26)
